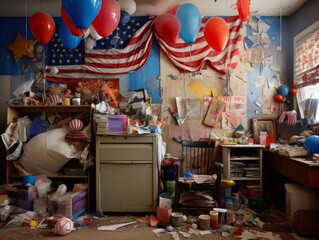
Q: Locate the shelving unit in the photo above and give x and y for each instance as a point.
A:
(15, 112)
(243, 162)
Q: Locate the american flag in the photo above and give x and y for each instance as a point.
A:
(128, 48)
(192, 58)
(124, 51)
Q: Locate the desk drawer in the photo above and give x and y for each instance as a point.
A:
(298, 172)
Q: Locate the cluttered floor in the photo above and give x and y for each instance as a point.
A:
(269, 224)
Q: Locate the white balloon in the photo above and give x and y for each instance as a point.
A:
(94, 34)
(128, 6)
(89, 43)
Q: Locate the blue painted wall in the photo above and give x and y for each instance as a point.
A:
(148, 76)
(279, 60)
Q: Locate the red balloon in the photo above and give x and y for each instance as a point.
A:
(243, 9)
(293, 91)
(108, 18)
(167, 26)
(279, 98)
(42, 26)
(69, 24)
(173, 9)
(216, 33)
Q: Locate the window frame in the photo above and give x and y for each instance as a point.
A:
(309, 77)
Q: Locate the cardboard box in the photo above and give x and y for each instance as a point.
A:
(70, 205)
(22, 196)
(299, 197)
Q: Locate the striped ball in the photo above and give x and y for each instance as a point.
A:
(76, 125)
(63, 226)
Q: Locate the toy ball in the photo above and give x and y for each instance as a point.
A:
(169, 229)
(33, 223)
(188, 175)
(28, 180)
(312, 144)
(63, 226)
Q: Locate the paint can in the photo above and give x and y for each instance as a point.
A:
(204, 222)
(176, 219)
(67, 101)
(76, 101)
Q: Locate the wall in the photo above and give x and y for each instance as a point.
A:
(253, 80)
(156, 76)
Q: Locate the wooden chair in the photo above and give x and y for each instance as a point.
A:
(192, 197)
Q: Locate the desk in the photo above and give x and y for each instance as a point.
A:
(303, 171)
(280, 169)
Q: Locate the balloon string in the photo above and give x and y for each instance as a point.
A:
(26, 19)
(190, 52)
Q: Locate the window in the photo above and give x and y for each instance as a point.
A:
(306, 71)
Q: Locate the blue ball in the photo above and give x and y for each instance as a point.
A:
(169, 229)
(312, 144)
(28, 180)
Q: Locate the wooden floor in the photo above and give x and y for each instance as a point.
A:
(138, 231)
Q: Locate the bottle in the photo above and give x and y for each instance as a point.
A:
(236, 202)
(5, 212)
(230, 210)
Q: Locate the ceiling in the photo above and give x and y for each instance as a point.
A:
(22, 8)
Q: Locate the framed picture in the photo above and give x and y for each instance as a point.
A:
(267, 125)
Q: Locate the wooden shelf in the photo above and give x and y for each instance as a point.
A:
(58, 108)
(55, 176)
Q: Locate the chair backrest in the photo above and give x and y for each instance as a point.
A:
(198, 157)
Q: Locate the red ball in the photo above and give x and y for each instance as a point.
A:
(279, 98)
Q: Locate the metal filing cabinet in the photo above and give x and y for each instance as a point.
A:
(126, 173)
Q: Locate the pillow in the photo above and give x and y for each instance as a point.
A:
(47, 152)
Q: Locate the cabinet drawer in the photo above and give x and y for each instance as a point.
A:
(126, 186)
(125, 139)
(298, 172)
(126, 152)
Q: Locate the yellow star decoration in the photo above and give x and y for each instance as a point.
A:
(21, 47)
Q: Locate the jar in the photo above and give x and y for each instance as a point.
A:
(213, 219)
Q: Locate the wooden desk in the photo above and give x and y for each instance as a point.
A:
(303, 171)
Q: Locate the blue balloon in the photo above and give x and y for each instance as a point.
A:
(125, 17)
(69, 41)
(190, 20)
(283, 90)
(312, 144)
(82, 12)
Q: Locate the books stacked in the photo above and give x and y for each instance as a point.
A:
(100, 123)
